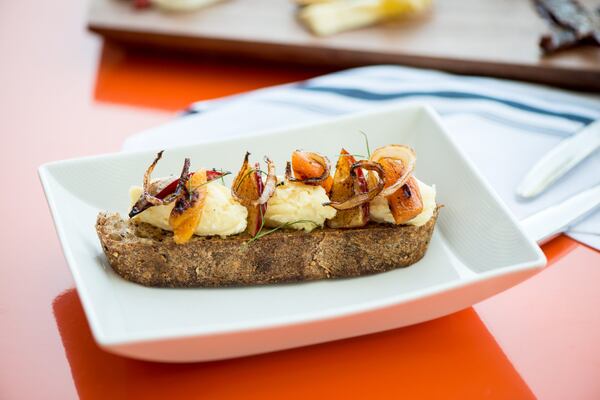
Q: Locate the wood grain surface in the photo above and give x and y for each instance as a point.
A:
(495, 37)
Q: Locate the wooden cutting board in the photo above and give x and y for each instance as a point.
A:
(483, 37)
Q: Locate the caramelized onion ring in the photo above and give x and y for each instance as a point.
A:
(320, 159)
(405, 155)
(361, 198)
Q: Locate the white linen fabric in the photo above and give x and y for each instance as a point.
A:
(503, 126)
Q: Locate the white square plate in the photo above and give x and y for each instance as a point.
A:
(478, 249)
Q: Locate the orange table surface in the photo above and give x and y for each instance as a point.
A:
(64, 94)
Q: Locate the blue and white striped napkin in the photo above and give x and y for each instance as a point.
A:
(504, 126)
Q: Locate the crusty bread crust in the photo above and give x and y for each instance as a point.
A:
(147, 255)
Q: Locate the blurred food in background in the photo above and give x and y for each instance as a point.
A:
(570, 24)
(174, 5)
(327, 17)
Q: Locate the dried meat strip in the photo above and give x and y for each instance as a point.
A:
(569, 22)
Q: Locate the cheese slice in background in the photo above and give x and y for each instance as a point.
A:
(182, 5)
(328, 17)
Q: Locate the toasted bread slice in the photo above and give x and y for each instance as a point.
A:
(147, 255)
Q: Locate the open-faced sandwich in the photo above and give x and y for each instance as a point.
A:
(371, 216)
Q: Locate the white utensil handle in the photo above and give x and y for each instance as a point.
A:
(560, 160)
(548, 223)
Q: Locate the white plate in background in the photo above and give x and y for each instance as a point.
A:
(478, 249)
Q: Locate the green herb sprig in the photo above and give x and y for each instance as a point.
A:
(262, 233)
(225, 173)
(366, 143)
(351, 155)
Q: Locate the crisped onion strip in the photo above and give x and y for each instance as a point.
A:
(261, 188)
(181, 184)
(405, 155)
(270, 184)
(362, 198)
(320, 159)
(288, 172)
(146, 194)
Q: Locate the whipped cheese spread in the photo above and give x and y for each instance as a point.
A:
(380, 210)
(294, 201)
(221, 214)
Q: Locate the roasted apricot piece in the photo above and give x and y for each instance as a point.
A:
(406, 203)
(312, 168)
(345, 186)
(187, 212)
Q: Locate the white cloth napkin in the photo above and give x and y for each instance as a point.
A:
(504, 126)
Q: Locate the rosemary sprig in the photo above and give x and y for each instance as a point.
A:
(262, 221)
(351, 155)
(262, 233)
(225, 173)
(248, 173)
(367, 143)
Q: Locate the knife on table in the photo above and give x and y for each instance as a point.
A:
(560, 160)
(550, 222)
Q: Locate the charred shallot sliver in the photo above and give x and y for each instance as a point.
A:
(402, 153)
(362, 197)
(147, 199)
(152, 196)
(271, 182)
(261, 189)
(181, 184)
(249, 190)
